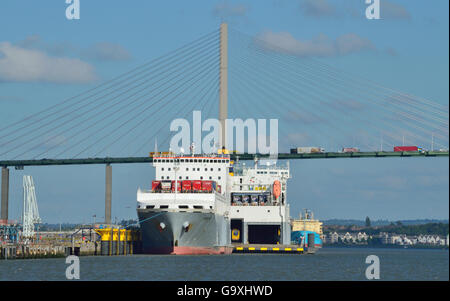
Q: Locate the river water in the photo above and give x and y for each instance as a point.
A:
(327, 264)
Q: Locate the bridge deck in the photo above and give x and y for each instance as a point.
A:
(281, 156)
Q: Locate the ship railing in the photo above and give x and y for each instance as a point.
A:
(172, 155)
(182, 191)
(254, 204)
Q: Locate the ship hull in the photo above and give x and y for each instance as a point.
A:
(184, 233)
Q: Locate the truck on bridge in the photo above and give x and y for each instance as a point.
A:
(307, 150)
(407, 149)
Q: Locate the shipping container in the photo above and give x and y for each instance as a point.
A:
(307, 150)
(196, 185)
(186, 185)
(350, 150)
(156, 185)
(178, 184)
(207, 186)
(406, 149)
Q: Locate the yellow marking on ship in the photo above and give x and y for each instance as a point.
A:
(263, 249)
(287, 249)
(251, 249)
(239, 248)
(276, 249)
(300, 249)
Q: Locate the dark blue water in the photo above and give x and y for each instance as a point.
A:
(327, 264)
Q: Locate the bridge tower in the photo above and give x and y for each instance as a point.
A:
(223, 98)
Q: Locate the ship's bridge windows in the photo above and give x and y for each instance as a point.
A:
(198, 169)
(167, 177)
(162, 168)
(182, 160)
(190, 160)
(187, 169)
(206, 169)
(163, 206)
(218, 169)
(198, 207)
(195, 160)
(183, 206)
(168, 169)
(212, 169)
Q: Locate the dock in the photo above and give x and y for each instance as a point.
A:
(275, 249)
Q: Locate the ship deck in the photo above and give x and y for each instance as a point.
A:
(271, 248)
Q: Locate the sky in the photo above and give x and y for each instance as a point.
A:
(45, 58)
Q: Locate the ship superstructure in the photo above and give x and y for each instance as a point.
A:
(186, 212)
(259, 211)
(203, 204)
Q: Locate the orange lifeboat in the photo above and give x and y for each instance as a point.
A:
(276, 189)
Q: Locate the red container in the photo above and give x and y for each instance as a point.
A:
(186, 186)
(350, 150)
(196, 185)
(156, 185)
(406, 149)
(207, 186)
(178, 186)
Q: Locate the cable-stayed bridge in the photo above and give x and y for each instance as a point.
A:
(228, 74)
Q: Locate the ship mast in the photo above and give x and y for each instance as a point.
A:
(223, 99)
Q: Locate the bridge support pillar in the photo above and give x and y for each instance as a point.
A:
(108, 193)
(5, 194)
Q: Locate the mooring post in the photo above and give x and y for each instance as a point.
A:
(108, 194)
(5, 193)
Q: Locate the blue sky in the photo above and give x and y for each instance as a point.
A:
(406, 50)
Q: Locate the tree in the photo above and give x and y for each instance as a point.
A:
(367, 222)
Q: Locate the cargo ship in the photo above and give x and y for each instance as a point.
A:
(204, 204)
(303, 227)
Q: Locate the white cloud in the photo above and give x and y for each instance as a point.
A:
(106, 51)
(317, 8)
(225, 10)
(18, 64)
(321, 45)
(390, 10)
